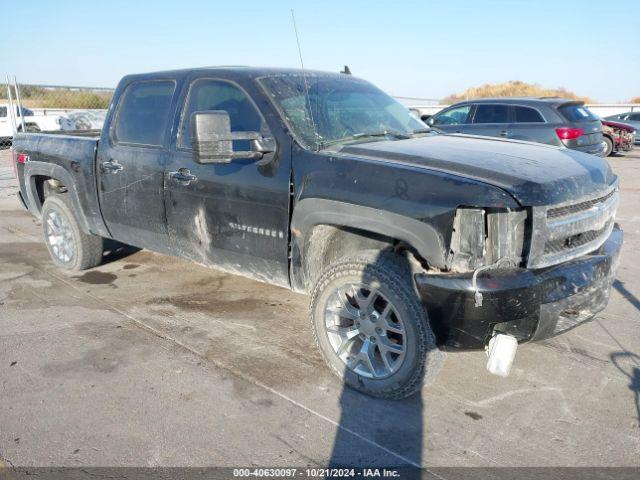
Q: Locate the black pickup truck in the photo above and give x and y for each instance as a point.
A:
(409, 242)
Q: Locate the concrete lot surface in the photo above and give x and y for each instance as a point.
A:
(152, 361)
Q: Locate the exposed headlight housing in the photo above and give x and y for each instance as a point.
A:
(484, 236)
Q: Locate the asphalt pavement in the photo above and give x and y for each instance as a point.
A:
(149, 360)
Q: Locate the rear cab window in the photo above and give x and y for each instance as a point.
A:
(491, 113)
(143, 113)
(577, 113)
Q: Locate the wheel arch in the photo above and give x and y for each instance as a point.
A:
(324, 230)
(37, 174)
(27, 125)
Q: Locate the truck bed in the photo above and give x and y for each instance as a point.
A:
(67, 157)
(76, 133)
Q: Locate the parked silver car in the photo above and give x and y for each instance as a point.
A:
(551, 120)
(84, 120)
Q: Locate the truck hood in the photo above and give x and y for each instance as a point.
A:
(534, 174)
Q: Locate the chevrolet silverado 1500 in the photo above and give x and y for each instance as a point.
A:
(409, 242)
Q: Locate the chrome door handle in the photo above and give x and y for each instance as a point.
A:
(112, 166)
(504, 133)
(183, 176)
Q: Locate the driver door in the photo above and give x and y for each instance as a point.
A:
(234, 216)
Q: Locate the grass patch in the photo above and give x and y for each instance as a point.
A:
(513, 88)
(53, 97)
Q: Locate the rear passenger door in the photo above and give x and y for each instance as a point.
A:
(130, 165)
(491, 120)
(529, 124)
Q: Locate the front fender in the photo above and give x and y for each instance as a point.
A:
(311, 212)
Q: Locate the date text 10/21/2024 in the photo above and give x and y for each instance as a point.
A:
(317, 472)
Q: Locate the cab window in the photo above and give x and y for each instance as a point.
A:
(25, 111)
(143, 113)
(209, 94)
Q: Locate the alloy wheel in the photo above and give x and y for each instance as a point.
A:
(365, 331)
(59, 236)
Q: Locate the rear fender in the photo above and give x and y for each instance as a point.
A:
(33, 169)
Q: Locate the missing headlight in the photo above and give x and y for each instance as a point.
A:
(482, 237)
(505, 236)
(468, 239)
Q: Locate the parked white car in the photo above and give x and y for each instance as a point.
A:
(33, 122)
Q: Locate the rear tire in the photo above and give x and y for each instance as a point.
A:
(70, 248)
(608, 146)
(371, 327)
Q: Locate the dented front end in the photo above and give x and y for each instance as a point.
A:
(530, 273)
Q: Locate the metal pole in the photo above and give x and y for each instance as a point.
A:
(15, 85)
(12, 112)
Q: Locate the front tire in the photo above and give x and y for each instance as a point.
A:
(371, 327)
(70, 248)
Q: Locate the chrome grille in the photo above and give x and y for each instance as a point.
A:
(577, 240)
(566, 231)
(577, 207)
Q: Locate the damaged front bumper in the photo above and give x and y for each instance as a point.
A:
(527, 304)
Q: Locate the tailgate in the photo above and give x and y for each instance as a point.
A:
(69, 159)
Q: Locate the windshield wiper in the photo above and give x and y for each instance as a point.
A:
(382, 133)
(357, 136)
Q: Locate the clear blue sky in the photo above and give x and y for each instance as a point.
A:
(412, 48)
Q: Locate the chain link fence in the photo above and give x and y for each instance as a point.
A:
(50, 108)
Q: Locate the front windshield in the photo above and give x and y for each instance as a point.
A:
(338, 110)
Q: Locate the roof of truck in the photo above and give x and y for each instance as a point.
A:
(232, 70)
